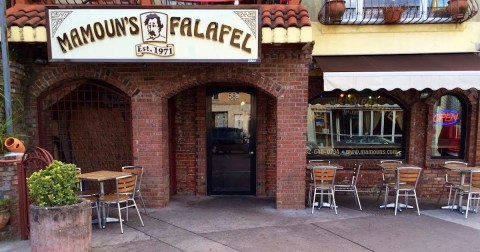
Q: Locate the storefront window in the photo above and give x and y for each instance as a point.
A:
(447, 127)
(354, 124)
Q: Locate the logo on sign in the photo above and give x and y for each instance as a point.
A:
(154, 29)
(446, 117)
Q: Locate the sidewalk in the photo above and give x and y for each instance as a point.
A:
(229, 223)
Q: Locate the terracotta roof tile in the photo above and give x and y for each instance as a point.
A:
(26, 15)
(273, 16)
(279, 15)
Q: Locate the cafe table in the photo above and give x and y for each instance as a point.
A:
(394, 166)
(312, 166)
(101, 177)
(462, 169)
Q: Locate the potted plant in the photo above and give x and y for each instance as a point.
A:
(56, 212)
(457, 9)
(392, 14)
(5, 206)
(334, 9)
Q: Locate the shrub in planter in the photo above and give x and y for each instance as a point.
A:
(56, 212)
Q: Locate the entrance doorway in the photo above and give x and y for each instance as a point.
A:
(231, 143)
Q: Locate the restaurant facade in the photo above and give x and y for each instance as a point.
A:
(217, 122)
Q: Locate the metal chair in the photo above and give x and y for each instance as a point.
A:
(452, 180)
(352, 186)
(472, 190)
(406, 183)
(314, 162)
(388, 178)
(136, 170)
(324, 184)
(90, 195)
(124, 194)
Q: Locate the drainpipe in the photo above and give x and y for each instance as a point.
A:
(6, 67)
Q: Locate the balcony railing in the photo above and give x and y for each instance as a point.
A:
(404, 12)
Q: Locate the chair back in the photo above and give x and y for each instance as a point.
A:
(319, 162)
(391, 161)
(475, 179)
(324, 174)
(356, 173)
(135, 170)
(453, 176)
(126, 185)
(388, 175)
(408, 176)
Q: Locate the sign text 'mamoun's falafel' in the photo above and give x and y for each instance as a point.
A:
(155, 34)
(117, 27)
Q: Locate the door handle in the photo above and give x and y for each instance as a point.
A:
(251, 153)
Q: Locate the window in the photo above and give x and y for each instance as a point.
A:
(354, 124)
(448, 122)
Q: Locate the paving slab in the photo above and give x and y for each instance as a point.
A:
(472, 221)
(143, 246)
(405, 232)
(306, 237)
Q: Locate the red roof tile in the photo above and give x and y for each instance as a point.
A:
(279, 15)
(26, 15)
(273, 16)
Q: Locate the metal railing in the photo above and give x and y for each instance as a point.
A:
(334, 12)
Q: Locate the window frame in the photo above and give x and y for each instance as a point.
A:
(335, 135)
(463, 127)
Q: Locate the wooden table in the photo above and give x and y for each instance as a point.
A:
(394, 166)
(462, 169)
(101, 177)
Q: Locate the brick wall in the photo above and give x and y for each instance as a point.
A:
(9, 189)
(282, 75)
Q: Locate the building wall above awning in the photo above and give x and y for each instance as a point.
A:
(404, 72)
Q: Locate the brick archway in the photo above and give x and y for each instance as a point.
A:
(241, 76)
(60, 74)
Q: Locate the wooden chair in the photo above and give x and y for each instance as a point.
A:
(388, 179)
(452, 180)
(124, 194)
(324, 184)
(472, 190)
(352, 186)
(138, 171)
(314, 162)
(406, 184)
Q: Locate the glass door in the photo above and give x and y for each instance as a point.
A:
(230, 144)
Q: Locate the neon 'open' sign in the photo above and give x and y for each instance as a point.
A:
(446, 117)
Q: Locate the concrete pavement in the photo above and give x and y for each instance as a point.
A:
(235, 223)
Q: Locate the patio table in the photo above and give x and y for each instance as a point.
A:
(101, 177)
(462, 169)
(394, 166)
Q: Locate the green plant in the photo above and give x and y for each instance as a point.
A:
(54, 186)
(5, 203)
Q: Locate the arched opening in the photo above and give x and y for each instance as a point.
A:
(87, 122)
(215, 135)
(449, 124)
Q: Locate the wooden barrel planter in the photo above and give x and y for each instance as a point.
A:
(64, 228)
